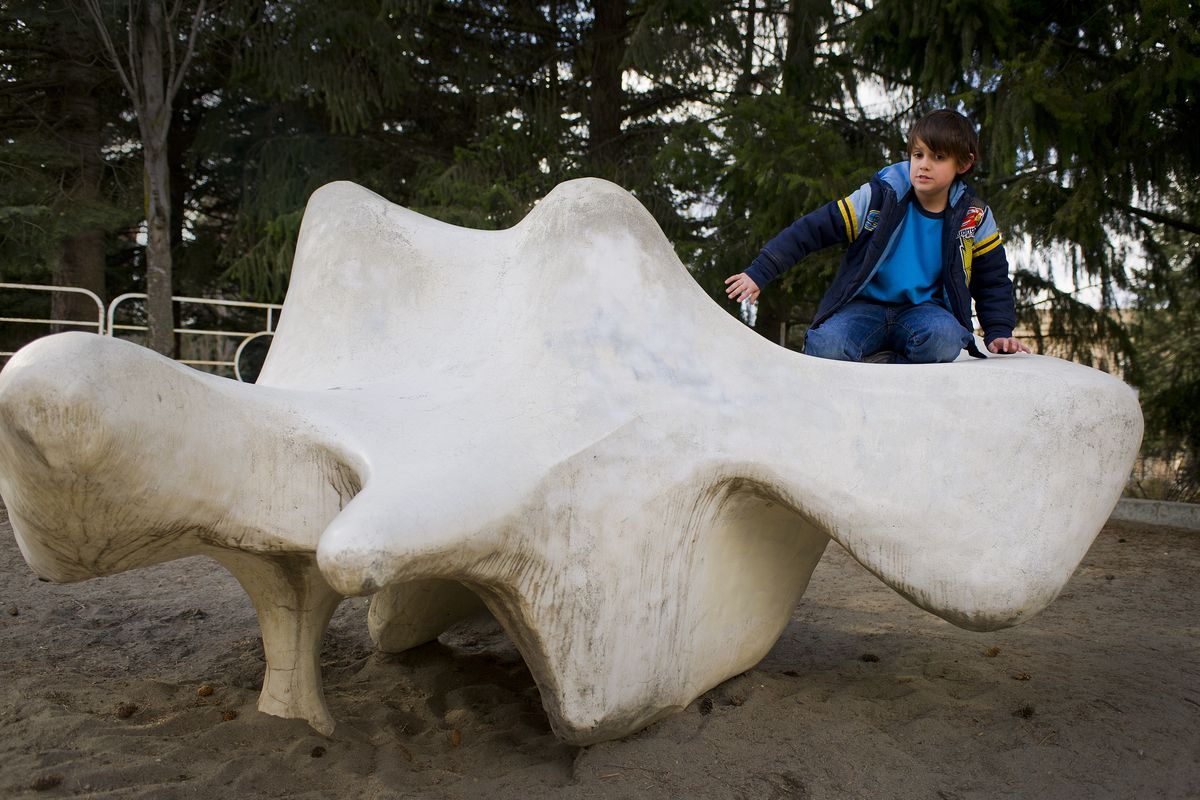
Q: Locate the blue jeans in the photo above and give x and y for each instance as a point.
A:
(922, 334)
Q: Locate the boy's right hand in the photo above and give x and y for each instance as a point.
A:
(739, 287)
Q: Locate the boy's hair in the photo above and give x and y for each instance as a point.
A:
(946, 131)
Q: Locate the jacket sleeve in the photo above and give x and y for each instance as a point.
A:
(990, 285)
(838, 222)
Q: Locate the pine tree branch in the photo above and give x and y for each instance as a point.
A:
(651, 103)
(1048, 169)
(26, 85)
(889, 79)
(22, 46)
(1161, 219)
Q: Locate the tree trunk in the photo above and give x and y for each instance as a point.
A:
(607, 103)
(80, 264)
(75, 112)
(745, 78)
(158, 254)
(154, 123)
(803, 26)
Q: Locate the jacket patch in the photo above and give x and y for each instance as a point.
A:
(970, 222)
(871, 222)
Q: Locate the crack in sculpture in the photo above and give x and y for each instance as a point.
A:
(556, 422)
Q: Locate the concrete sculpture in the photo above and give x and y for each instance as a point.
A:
(553, 420)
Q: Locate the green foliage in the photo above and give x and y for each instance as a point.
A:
(780, 161)
(1073, 329)
(344, 59)
(1167, 332)
(41, 201)
(35, 214)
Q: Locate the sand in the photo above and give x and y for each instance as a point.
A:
(864, 695)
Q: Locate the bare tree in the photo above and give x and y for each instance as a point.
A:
(155, 59)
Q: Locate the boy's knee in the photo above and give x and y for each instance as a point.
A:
(936, 345)
(826, 343)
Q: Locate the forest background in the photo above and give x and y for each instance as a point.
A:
(170, 145)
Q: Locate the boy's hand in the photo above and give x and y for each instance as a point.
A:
(1010, 345)
(739, 287)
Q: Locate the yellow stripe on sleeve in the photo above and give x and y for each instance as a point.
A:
(846, 219)
(853, 218)
(987, 245)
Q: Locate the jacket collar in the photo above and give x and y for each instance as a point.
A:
(895, 177)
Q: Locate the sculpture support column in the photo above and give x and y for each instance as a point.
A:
(294, 605)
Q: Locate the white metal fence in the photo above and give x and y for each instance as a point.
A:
(204, 340)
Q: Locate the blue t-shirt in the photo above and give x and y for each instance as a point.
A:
(912, 271)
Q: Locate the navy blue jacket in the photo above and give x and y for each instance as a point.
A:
(973, 261)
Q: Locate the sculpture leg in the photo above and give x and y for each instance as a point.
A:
(294, 605)
(652, 621)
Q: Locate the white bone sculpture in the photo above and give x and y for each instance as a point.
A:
(556, 420)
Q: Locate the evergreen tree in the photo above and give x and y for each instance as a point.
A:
(787, 140)
(64, 180)
(1167, 335)
(613, 83)
(380, 93)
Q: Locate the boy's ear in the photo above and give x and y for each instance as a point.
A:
(965, 166)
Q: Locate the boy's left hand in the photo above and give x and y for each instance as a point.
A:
(1010, 345)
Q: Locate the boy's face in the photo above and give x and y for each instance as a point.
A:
(932, 173)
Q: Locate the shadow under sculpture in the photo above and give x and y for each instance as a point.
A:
(554, 420)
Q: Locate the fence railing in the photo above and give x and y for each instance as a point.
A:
(98, 323)
(221, 341)
(270, 317)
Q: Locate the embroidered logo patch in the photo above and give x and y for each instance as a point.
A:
(970, 223)
(872, 221)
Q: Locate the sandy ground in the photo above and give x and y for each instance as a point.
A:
(863, 696)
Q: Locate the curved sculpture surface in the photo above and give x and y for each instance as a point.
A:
(556, 421)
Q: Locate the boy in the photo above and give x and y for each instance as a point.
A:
(919, 242)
